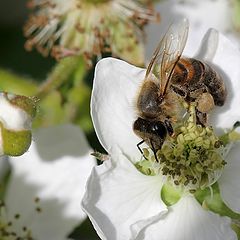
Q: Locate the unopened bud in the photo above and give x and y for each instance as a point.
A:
(16, 115)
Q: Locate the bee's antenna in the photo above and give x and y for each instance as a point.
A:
(138, 146)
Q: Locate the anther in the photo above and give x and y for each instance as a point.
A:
(38, 209)
(37, 199)
(194, 181)
(192, 191)
(176, 182)
(186, 183)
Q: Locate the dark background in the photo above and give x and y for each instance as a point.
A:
(13, 15)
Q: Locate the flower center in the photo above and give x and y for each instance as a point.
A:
(95, 1)
(193, 158)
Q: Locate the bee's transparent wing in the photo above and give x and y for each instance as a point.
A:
(167, 53)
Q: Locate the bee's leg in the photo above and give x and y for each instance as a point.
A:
(205, 102)
(138, 146)
(154, 151)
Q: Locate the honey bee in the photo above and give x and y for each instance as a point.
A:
(171, 79)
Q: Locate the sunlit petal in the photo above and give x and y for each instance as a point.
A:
(226, 61)
(120, 200)
(187, 220)
(116, 84)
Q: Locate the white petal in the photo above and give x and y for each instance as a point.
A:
(120, 201)
(187, 220)
(209, 46)
(219, 17)
(226, 61)
(55, 169)
(116, 84)
(229, 182)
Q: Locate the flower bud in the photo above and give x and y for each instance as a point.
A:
(16, 115)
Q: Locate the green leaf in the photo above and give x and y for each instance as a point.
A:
(236, 229)
(13, 83)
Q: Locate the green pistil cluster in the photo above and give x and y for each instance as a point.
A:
(192, 158)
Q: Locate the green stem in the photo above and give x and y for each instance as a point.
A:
(60, 74)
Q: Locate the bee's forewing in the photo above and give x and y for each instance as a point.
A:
(168, 52)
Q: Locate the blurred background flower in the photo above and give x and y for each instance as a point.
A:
(89, 28)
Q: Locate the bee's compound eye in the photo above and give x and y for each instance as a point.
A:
(159, 129)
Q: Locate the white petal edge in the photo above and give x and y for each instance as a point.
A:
(187, 220)
(115, 87)
(229, 182)
(55, 169)
(226, 61)
(118, 197)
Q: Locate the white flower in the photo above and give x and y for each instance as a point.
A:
(123, 203)
(89, 27)
(42, 200)
(202, 15)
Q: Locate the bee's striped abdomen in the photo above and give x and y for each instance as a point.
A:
(191, 75)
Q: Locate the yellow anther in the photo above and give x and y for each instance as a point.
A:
(145, 152)
(180, 138)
